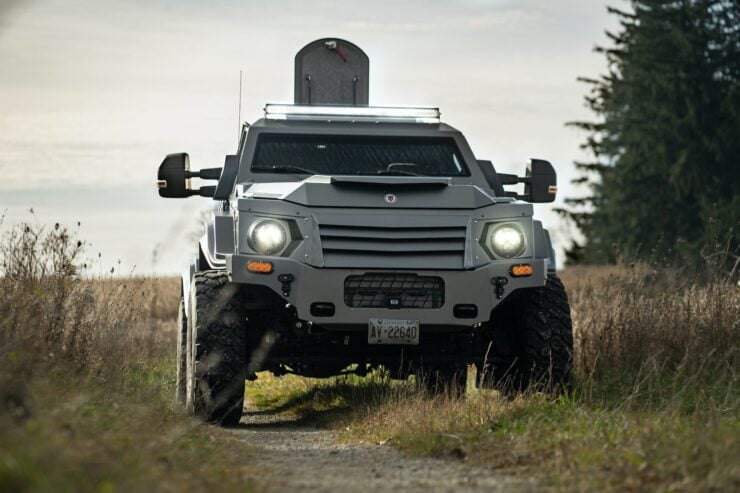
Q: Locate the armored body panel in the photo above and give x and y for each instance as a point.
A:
(332, 71)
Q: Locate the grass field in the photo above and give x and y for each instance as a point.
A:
(654, 406)
(87, 381)
(87, 375)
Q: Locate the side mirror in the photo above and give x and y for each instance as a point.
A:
(542, 183)
(173, 178)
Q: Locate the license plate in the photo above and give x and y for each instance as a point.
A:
(387, 331)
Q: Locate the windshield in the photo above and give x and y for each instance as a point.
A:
(357, 155)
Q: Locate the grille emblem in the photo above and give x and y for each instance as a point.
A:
(390, 198)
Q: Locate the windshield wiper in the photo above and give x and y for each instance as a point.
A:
(392, 169)
(285, 168)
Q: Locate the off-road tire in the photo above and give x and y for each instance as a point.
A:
(532, 342)
(217, 343)
(450, 380)
(182, 352)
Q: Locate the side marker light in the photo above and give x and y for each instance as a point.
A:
(522, 270)
(260, 266)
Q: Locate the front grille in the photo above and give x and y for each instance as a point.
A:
(394, 291)
(439, 245)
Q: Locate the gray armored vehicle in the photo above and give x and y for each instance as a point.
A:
(348, 237)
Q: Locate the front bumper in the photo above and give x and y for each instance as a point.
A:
(312, 285)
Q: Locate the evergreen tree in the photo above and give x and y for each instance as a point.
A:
(666, 143)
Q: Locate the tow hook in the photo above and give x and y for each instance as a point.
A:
(285, 280)
(499, 282)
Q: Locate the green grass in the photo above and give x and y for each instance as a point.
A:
(84, 436)
(573, 443)
(318, 402)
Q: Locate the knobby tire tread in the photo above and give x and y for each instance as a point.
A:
(220, 350)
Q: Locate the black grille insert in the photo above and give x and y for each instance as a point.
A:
(394, 291)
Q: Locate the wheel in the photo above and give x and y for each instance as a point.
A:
(217, 349)
(444, 379)
(532, 341)
(182, 352)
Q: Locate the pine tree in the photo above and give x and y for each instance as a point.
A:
(666, 143)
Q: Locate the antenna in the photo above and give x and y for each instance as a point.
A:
(239, 113)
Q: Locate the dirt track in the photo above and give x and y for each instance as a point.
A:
(295, 456)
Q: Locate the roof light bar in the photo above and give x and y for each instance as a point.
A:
(352, 113)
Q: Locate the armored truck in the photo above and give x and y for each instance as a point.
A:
(346, 238)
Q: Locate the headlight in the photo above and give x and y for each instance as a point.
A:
(268, 237)
(505, 240)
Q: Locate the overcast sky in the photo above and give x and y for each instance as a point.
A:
(94, 93)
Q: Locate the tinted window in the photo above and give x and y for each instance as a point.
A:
(357, 155)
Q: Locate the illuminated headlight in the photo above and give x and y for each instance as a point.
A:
(268, 237)
(505, 241)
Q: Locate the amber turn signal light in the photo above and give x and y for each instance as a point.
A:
(522, 270)
(260, 267)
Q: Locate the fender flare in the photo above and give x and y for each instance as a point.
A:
(207, 245)
(543, 246)
(187, 281)
(205, 259)
(552, 263)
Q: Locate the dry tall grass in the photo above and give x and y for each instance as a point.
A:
(55, 312)
(87, 379)
(654, 406)
(660, 335)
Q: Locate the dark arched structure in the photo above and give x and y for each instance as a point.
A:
(332, 71)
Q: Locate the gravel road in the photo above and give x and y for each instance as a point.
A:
(293, 456)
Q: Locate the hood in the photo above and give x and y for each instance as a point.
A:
(392, 192)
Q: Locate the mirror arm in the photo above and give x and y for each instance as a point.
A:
(205, 174)
(509, 179)
(204, 191)
(515, 195)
